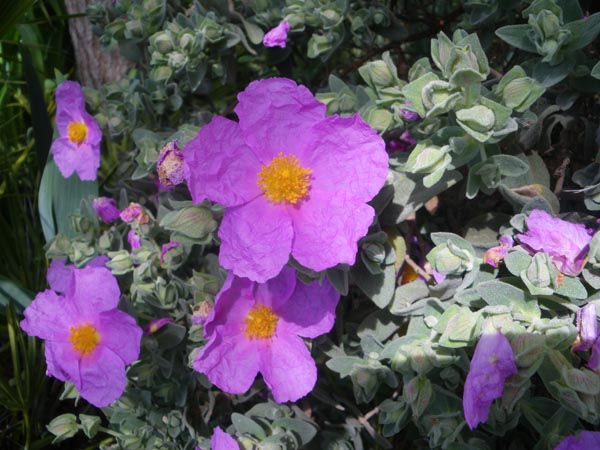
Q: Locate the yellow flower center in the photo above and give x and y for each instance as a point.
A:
(84, 338)
(261, 322)
(284, 179)
(77, 132)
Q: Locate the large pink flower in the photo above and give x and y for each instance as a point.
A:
(78, 147)
(88, 340)
(259, 328)
(292, 180)
(567, 243)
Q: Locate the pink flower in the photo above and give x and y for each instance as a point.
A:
(567, 243)
(587, 327)
(493, 361)
(259, 328)
(293, 181)
(78, 147)
(106, 209)
(170, 165)
(587, 440)
(409, 115)
(134, 213)
(222, 441)
(88, 340)
(134, 240)
(277, 36)
(493, 256)
(60, 274)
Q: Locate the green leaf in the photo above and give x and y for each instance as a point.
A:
(12, 11)
(547, 75)
(59, 197)
(596, 71)
(12, 293)
(517, 36)
(245, 425)
(583, 32)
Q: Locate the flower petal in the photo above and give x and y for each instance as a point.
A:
(95, 289)
(219, 166)
(346, 154)
(230, 364)
(231, 304)
(62, 362)
(310, 311)
(69, 157)
(327, 228)
(103, 377)
(277, 291)
(256, 239)
(121, 334)
(276, 115)
(60, 275)
(48, 316)
(288, 359)
(222, 441)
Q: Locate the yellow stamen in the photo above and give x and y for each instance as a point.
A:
(77, 132)
(84, 338)
(261, 322)
(284, 179)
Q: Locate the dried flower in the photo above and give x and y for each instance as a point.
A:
(106, 209)
(170, 165)
(587, 327)
(135, 212)
(493, 256)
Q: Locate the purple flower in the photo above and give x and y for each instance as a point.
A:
(567, 243)
(170, 165)
(134, 240)
(277, 36)
(402, 144)
(154, 325)
(88, 340)
(134, 213)
(492, 363)
(411, 116)
(587, 440)
(106, 209)
(222, 441)
(259, 328)
(292, 180)
(165, 248)
(587, 327)
(594, 361)
(60, 274)
(493, 256)
(78, 147)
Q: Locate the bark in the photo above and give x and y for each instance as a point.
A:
(95, 67)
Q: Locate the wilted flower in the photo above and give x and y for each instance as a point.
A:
(170, 165)
(134, 240)
(135, 212)
(201, 312)
(277, 36)
(567, 243)
(106, 209)
(88, 340)
(493, 256)
(493, 361)
(587, 327)
(586, 440)
(154, 325)
(292, 180)
(222, 441)
(259, 328)
(78, 147)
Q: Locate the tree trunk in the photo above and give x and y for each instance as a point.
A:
(94, 66)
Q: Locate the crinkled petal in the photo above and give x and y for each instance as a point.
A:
(276, 115)
(95, 289)
(276, 292)
(219, 166)
(48, 316)
(310, 311)
(103, 377)
(70, 103)
(587, 327)
(346, 154)
(256, 239)
(476, 411)
(62, 362)
(120, 333)
(231, 304)
(69, 157)
(60, 275)
(277, 36)
(230, 363)
(327, 228)
(222, 441)
(287, 367)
